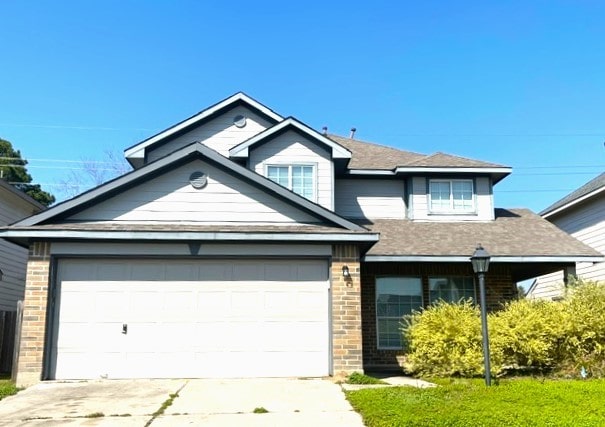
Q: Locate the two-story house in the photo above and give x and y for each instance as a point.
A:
(248, 244)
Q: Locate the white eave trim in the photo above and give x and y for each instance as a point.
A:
(242, 150)
(503, 259)
(416, 169)
(132, 151)
(573, 202)
(190, 235)
(423, 170)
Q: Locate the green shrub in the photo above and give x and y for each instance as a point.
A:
(445, 340)
(584, 323)
(564, 337)
(526, 333)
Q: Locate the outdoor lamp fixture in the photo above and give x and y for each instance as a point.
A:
(480, 261)
(345, 272)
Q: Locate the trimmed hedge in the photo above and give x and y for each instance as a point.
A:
(561, 337)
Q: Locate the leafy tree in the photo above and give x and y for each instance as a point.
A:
(13, 170)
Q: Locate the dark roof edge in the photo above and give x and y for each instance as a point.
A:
(137, 174)
(25, 197)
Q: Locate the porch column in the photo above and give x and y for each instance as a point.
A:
(347, 356)
(31, 350)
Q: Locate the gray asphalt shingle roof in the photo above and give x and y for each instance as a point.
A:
(587, 188)
(515, 232)
(368, 155)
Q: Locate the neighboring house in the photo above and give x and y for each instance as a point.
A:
(247, 244)
(582, 214)
(14, 205)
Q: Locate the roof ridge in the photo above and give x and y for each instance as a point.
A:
(361, 141)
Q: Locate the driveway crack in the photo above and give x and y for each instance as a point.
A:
(165, 404)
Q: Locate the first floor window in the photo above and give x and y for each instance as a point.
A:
(451, 289)
(451, 196)
(298, 178)
(396, 297)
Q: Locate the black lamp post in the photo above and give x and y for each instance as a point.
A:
(480, 261)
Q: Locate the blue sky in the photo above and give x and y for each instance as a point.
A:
(520, 83)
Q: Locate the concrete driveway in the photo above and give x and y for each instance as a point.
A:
(161, 403)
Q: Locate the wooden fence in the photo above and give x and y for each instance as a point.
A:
(10, 328)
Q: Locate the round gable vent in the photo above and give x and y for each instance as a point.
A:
(239, 121)
(198, 180)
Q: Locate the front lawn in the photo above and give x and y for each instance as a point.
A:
(7, 388)
(513, 402)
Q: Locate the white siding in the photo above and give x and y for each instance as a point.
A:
(170, 198)
(587, 224)
(220, 134)
(13, 258)
(290, 148)
(484, 202)
(368, 198)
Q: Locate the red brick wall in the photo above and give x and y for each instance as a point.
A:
(31, 352)
(499, 288)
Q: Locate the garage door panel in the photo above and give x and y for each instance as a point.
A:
(195, 319)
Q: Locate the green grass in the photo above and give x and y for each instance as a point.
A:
(514, 402)
(358, 378)
(7, 388)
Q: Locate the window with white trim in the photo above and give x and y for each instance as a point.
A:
(451, 196)
(298, 178)
(396, 297)
(451, 289)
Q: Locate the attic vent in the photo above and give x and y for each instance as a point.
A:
(198, 180)
(239, 121)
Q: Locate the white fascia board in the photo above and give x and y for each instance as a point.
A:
(503, 259)
(189, 236)
(242, 150)
(129, 152)
(369, 172)
(573, 202)
(453, 169)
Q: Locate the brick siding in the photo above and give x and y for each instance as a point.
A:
(499, 288)
(346, 311)
(31, 351)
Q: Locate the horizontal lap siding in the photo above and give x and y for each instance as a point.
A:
(13, 258)
(365, 198)
(170, 198)
(220, 134)
(292, 148)
(587, 224)
(483, 202)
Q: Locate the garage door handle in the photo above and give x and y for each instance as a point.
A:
(124, 328)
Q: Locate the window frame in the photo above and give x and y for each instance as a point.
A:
(449, 278)
(378, 318)
(290, 166)
(451, 209)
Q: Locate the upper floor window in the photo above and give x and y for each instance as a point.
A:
(451, 196)
(298, 178)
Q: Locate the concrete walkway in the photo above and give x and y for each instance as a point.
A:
(121, 403)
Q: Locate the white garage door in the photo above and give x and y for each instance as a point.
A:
(181, 318)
